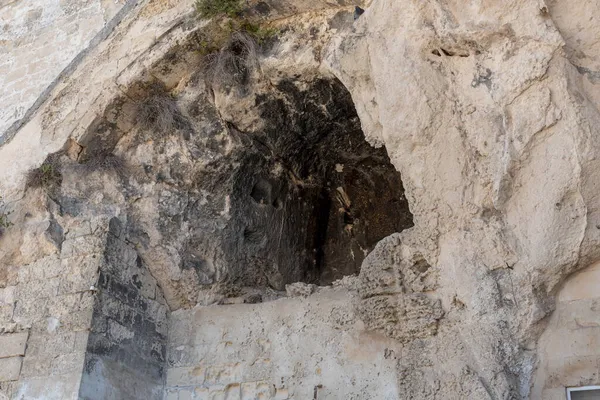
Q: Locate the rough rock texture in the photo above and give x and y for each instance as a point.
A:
(225, 188)
(492, 123)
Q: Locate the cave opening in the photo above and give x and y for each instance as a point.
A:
(311, 197)
(302, 198)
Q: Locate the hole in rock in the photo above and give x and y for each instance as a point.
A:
(261, 192)
(311, 197)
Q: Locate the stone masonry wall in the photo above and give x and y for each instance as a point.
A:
(126, 350)
(12, 350)
(46, 314)
(293, 348)
(86, 320)
(38, 40)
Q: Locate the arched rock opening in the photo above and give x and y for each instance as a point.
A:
(301, 196)
(310, 197)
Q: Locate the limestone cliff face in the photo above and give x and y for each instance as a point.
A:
(492, 120)
(436, 161)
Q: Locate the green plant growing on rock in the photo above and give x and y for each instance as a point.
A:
(213, 8)
(47, 176)
(4, 221)
(260, 33)
(231, 43)
(217, 35)
(234, 10)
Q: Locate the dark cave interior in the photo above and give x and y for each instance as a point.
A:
(312, 197)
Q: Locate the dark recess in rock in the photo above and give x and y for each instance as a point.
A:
(311, 197)
(305, 198)
(262, 8)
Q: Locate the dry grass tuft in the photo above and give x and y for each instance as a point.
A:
(235, 62)
(106, 163)
(160, 112)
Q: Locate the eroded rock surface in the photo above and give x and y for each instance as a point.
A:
(496, 152)
(474, 202)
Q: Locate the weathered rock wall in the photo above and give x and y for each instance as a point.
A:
(82, 98)
(494, 128)
(490, 112)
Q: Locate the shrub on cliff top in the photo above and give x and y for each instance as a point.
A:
(232, 45)
(213, 8)
(260, 33)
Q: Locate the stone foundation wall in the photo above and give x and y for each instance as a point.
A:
(85, 321)
(47, 310)
(293, 348)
